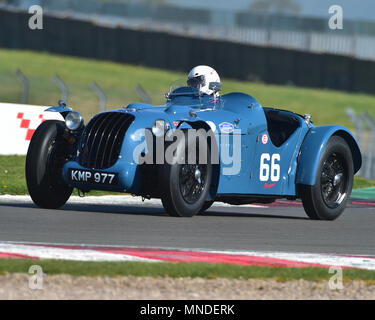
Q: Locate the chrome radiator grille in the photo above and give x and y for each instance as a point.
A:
(102, 139)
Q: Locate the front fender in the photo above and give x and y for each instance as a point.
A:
(60, 109)
(312, 148)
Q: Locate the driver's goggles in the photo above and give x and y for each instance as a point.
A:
(196, 82)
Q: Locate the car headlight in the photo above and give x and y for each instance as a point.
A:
(160, 127)
(73, 120)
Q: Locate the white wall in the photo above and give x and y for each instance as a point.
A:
(17, 125)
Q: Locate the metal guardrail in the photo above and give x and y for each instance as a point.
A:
(143, 94)
(25, 84)
(101, 95)
(366, 141)
(63, 87)
(65, 91)
(315, 39)
(369, 165)
(360, 47)
(215, 15)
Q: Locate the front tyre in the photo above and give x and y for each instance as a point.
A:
(44, 162)
(186, 186)
(206, 206)
(327, 199)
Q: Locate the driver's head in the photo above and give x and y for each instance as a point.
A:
(200, 77)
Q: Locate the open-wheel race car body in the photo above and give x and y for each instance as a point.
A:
(262, 154)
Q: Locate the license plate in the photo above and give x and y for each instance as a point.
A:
(91, 176)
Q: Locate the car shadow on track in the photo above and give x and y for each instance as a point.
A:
(250, 215)
(154, 211)
(107, 208)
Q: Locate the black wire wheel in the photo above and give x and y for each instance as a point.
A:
(326, 200)
(45, 159)
(192, 181)
(333, 180)
(185, 185)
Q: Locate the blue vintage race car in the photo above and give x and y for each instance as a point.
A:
(252, 154)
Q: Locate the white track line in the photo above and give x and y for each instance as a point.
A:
(351, 261)
(44, 252)
(66, 254)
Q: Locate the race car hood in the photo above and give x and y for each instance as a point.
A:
(218, 113)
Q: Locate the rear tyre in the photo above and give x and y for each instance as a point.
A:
(326, 200)
(45, 159)
(186, 186)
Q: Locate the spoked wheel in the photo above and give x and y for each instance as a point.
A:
(334, 181)
(192, 181)
(327, 198)
(186, 186)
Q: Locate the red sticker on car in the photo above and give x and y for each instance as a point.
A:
(269, 186)
(265, 139)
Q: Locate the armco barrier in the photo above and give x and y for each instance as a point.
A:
(18, 123)
(162, 11)
(171, 51)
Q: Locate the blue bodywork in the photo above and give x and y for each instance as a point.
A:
(267, 168)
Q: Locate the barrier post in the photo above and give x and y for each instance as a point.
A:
(25, 84)
(370, 154)
(63, 87)
(358, 123)
(143, 94)
(101, 95)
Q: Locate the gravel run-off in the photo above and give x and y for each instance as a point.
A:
(16, 286)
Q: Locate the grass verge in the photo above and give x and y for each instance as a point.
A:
(361, 183)
(12, 178)
(178, 269)
(120, 80)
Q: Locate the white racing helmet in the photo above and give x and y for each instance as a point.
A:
(200, 77)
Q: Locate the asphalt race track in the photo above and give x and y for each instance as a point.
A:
(280, 228)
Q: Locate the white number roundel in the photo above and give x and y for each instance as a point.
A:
(264, 174)
(264, 139)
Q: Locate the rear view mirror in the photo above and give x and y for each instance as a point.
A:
(215, 86)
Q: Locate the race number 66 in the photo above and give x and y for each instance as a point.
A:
(266, 168)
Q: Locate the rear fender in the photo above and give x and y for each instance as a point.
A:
(312, 148)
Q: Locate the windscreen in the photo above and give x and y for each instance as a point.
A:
(180, 93)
